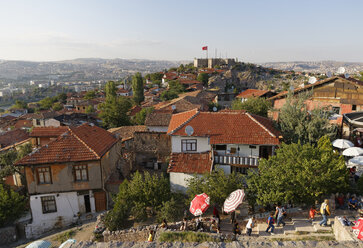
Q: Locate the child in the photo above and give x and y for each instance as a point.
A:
(270, 223)
(236, 229)
(150, 239)
(250, 225)
(312, 213)
(184, 225)
(164, 224)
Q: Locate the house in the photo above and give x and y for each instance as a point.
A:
(168, 76)
(158, 120)
(41, 136)
(123, 92)
(232, 140)
(250, 93)
(225, 99)
(340, 95)
(67, 176)
(46, 119)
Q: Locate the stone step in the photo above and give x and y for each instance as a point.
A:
(319, 228)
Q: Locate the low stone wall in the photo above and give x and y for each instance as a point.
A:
(8, 235)
(343, 233)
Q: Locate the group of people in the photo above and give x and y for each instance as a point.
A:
(278, 215)
(350, 201)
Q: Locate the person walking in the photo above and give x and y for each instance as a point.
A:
(325, 212)
(280, 212)
(270, 223)
(233, 217)
(250, 225)
(312, 213)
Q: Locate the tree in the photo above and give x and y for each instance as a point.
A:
(46, 103)
(110, 90)
(141, 193)
(203, 78)
(255, 105)
(216, 185)
(90, 95)
(299, 173)
(298, 124)
(12, 205)
(114, 112)
(62, 98)
(20, 105)
(139, 118)
(57, 106)
(138, 88)
(90, 109)
(175, 88)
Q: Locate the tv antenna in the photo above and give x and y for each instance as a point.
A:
(189, 130)
(312, 80)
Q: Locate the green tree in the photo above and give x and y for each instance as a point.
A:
(114, 112)
(138, 88)
(170, 211)
(139, 118)
(217, 185)
(62, 98)
(110, 90)
(20, 105)
(46, 103)
(12, 205)
(299, 174)
(90, 109)
(90, 95)
(298, 124)
(255, 105)
(203, 78)
(57, 106)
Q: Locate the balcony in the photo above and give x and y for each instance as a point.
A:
(228, 159)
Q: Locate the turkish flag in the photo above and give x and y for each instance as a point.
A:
(205, 48)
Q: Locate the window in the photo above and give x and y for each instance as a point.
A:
(221, 147)
(354, 107)
(336, 110)
(80, 173)
(189, 145)
(38, 122)
(233, 150)
(48, 204)
(44, 176)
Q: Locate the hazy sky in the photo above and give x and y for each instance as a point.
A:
(252, 30)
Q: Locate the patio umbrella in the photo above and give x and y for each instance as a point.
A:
(199, 204)
(68, 243)
(39, 244)
(353, 151)
(342, 143)
(233, 201)
(356, 160)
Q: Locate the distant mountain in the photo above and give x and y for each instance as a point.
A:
(316, 66)
(82, 69)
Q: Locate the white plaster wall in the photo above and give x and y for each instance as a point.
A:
(244, 150)
(202, 143)
(178, 181)
(159, 129)
(67, 209)
(225, 168)
(52, 123)
(82, 207)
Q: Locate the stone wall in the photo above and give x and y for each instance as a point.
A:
(343, 233)
(8, 235)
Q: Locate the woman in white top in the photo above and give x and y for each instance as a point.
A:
(250, 225)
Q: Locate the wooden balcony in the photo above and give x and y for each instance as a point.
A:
(236, 160)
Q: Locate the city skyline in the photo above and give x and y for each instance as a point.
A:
(259, 31)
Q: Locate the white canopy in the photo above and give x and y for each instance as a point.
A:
(353, 151)
(356, 161)
(342, 143)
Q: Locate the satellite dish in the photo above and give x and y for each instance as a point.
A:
(189, 130)
(341, 70)
(329, 74)
(312, 80)
(173, 107)
(292, 88)
(346, 75)
(215, 109)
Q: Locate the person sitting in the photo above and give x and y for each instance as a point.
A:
(184, 225)
(213, 227)
(353, 172)
(164, 224)
(340, 201)
(353, 203)
(199, 224)
(236, 229)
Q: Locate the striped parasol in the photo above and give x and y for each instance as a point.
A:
(199, 204)
(234, 200)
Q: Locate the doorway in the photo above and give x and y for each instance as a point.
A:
(87, 203)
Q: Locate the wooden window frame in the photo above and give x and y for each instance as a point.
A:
(50, 175)
(186, 141)
(75, 175)
(45, 199)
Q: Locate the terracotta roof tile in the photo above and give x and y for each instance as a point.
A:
(83, 143)
(252, 93)
(159, 118)
(178, 119)
(126, 132)
(190, 163)
(48, 131)
(227, 127)
(13, 136)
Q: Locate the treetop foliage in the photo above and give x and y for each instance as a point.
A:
(255, 105)
(138, 88)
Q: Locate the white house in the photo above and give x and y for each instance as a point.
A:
(232, 140)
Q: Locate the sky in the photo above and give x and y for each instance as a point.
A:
(252, 31)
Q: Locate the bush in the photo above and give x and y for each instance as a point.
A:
(138, 211)
(170, 211)
(12, 205)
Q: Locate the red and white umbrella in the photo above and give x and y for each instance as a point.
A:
(199, 204)
(233, 201)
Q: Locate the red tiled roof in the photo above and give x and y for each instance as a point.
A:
(159, 118)
(227, 127)
(127, 132)
(83, 143)
(251, 93)
(178, 119)
(21, 123)
(48, 131)
(12, 137)
(190, 163)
